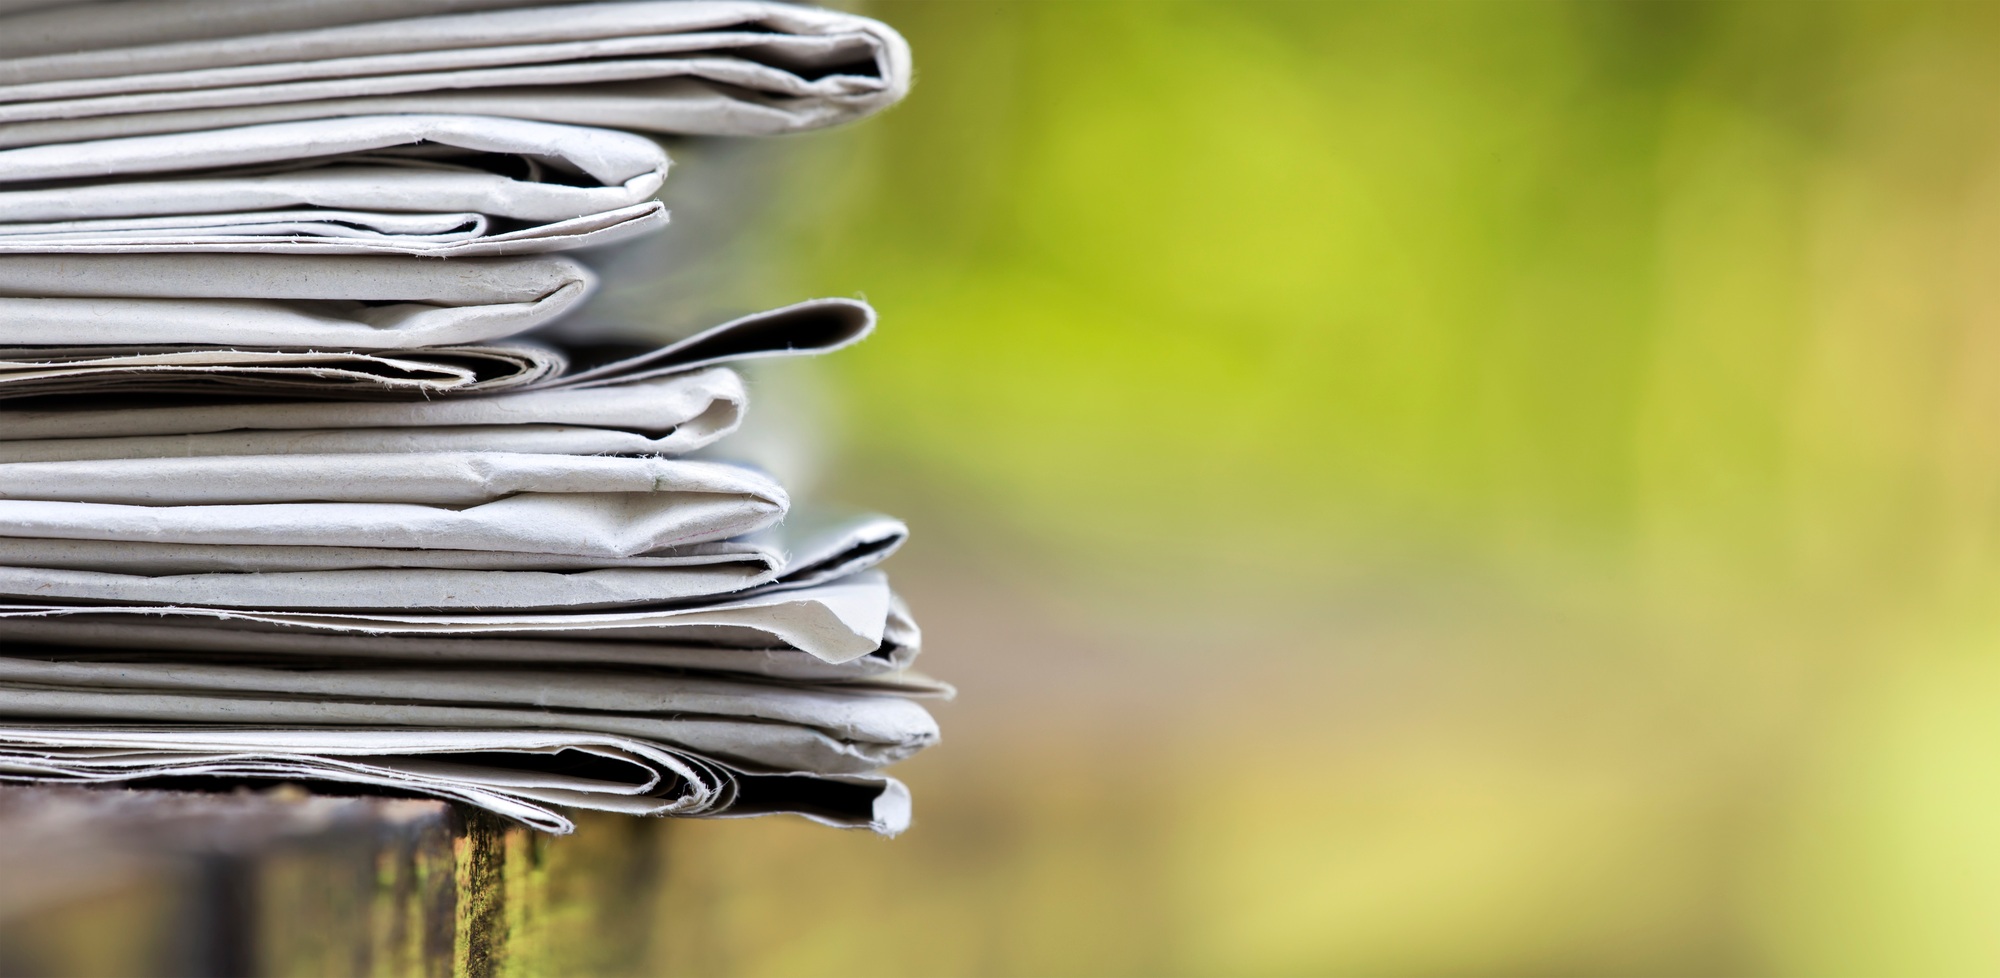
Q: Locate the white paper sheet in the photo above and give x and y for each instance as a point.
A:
(828, 549)
(410, 184)
(583, 524)
(433, 479)
(778, 746)
(710, 400)
(685, 66)
(666, 416)
(801, 553)
(536, 783)
(815, 730)
(837, 622)
(98, 371)
(291, 578)
(807, 328)
(39, 27)
(343, 302)
(888, 665)
(813, 327)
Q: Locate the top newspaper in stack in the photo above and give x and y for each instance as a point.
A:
(97, 68)
(254, 424)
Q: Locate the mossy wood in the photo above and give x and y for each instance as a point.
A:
(281, 882)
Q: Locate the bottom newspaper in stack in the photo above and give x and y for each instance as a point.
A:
(518, 601)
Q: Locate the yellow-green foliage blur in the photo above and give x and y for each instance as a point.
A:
(1418, 488)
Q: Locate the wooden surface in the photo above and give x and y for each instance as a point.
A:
(279, 882)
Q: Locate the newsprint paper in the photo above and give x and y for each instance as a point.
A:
(298, 484)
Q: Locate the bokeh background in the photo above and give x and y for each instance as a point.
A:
(1409, 488)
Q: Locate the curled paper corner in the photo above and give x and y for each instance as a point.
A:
(892, 809)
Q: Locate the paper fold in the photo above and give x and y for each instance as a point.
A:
(683, 66)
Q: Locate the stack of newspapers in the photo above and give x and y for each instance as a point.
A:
(292, 488)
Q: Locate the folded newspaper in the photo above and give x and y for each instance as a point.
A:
(360, 302)
(296, 486)
(439, 185)
(817, 326)
(89, 70)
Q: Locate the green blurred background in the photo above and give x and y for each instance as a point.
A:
(1414, 488)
